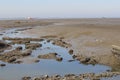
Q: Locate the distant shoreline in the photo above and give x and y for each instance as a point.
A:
(25, 18)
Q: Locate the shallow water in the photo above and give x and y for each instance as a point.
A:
(45, 66)
(13, 32)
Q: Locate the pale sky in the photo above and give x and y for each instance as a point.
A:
(59, 8)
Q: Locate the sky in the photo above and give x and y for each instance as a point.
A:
(59, 8)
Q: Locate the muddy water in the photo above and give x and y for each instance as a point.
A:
(45, 66)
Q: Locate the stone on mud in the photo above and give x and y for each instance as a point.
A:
(50, 56)
(71, 52)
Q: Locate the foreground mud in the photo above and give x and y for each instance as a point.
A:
(88, 76)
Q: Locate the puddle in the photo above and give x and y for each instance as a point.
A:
(45, 66)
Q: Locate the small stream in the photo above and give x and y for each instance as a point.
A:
(45, 66)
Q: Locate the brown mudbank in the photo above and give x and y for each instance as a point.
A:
(32, 45)
(61, 43)
(23, 29)
(49, 36)
(23, 39)
(20, 41)
(50, 56)
(13, 55)
(86, 60)
(8, 38)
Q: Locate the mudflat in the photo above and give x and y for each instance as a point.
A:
(88, 37)
(87, 40)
